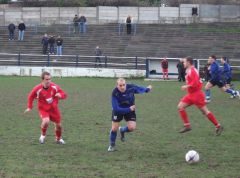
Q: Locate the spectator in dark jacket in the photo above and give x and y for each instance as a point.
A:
(75, 24)
(82, 24)
(181, 71)
(45, 43)
(51, 42)
(21, 30)
(59, 42)
(98, 54)
(129, 24)
(11, 29)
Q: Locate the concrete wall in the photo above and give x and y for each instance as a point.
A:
(107, 14)
(70, 72)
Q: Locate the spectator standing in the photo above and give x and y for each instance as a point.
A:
(82, 24)
(11, 29)
(164, 65)
(98, 53)
(181, 71)
(194, 11)
(75, 24)
(129, 24)
(59, 42)
(45, 43)
(21, 30)
(51, 42)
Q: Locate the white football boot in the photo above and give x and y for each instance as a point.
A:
(42, 139)
(60, 141)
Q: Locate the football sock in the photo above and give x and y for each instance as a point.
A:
(58, 133)
(124, 129)
(184, 117)
(230, 91)
(213, 119)
(44, 130)
(113, 136)
(208, 94)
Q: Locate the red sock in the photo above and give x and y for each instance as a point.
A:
(44, 130)
(184, 117)
(213, 119)
(58, 133)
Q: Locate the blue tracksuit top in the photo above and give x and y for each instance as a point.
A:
(227, 71)
(215, 71)
(122, 101)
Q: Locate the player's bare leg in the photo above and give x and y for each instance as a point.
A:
(113, 136)
(131, 126)
(44, 126)
(183, 114)
(213, 119)
(58, 133)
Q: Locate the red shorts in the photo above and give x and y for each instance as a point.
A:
(165, 70)
(53, 114)
(196, 98)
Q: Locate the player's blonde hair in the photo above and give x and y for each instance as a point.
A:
(121, 80)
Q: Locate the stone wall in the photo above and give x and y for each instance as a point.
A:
(108, 14)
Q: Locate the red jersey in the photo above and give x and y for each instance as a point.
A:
(193, 80)
(164, 64)
(46, 97)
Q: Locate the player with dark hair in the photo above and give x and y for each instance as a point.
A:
(216, 79)
(123, 107)
(48, 94)
(195, 97)
(164, 65)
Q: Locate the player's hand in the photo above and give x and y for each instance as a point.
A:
(58, 95)
(184, 87)
(27, 110)
(149, 87)
(132, 108)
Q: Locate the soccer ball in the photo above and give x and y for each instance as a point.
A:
(192, 157)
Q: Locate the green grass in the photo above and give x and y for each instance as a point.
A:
(155, 149)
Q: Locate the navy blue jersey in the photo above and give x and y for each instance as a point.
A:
(215, 71)
(227, 71)
(121, 102)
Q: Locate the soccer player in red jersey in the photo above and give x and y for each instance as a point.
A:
(164, 64)
(48, 95)
(195, 96)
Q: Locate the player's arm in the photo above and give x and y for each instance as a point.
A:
(118, 109)
(140, 89)
(60, 93)
(31, 96)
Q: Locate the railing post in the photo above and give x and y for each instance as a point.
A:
(48, 60)
(19, 58)
(147, 68)
(77, 59)
(136, 62)
(105, 61)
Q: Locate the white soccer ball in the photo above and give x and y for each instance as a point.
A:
(192, 157)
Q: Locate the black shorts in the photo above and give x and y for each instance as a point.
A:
(228, 81)
(131, 116)
(219, 83)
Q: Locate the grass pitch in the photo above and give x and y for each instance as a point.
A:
(155, 149)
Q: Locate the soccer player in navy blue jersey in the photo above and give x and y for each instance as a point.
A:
(123, 107)
(216, 79)
(227, 71)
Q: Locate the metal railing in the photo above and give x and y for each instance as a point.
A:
(20, 59)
